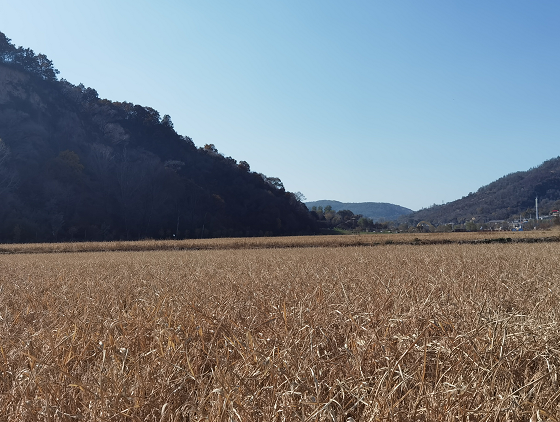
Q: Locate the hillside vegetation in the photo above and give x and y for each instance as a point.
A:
(74, 166)
(510, 196)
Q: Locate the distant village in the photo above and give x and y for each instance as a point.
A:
(521, 224)
(524, 222)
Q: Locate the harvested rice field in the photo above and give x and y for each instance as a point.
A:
(460, 331)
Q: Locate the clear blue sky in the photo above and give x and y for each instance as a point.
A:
(409, 102)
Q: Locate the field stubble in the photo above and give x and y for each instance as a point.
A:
(398, 332)
(363, 239)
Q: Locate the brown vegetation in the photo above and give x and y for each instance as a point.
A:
(376, 239)
(396, 332)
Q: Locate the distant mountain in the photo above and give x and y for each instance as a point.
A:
(375, 210)
(510, 196)
(74, 166)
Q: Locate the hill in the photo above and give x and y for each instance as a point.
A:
(74, 166)
(377, 211)
(510, 196)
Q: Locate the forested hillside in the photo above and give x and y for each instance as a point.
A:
(377, 211)
(510, 196)
(74, 166)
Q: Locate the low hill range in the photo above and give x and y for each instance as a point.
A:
(377, 211)
(510, 197)
(74, 166)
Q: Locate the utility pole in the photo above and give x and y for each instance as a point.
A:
(537, 208)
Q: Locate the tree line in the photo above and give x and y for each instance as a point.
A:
(26, 59)
(346, 220)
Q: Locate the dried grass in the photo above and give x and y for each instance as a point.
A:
(375, 239)
(399, 332)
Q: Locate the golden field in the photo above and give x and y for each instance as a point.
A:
(282, 331)
(363, 239)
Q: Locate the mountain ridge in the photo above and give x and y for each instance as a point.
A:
(505, 198)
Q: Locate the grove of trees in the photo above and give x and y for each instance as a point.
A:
(346, 220)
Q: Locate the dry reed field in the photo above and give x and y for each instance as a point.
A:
(439, 332)
(363, 239)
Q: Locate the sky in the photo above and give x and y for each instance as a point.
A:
(407, 102)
